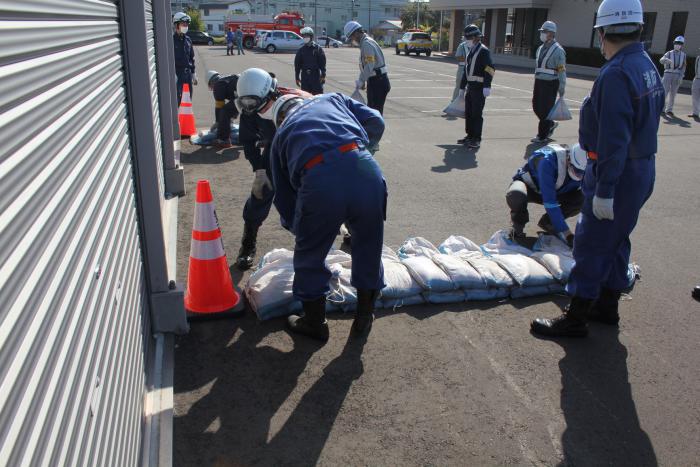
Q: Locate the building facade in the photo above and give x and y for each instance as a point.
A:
(214, 14)
(510, 26)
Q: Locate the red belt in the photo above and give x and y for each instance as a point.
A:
(592, 155)
(314, 161)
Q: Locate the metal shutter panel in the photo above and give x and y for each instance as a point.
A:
(150, 34)
(72, 291)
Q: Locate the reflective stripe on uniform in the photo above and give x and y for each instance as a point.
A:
(209, 249)
(472, 64)
(544, 69)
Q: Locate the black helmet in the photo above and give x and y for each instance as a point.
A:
(472, 31)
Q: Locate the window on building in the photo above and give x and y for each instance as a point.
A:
(354, 14)
(387, 11)
(343, 17)
(328, 10)
(648, 31)
(210, 27)
(206, 12)
(302, 5)
(679, 20)
(221, 27)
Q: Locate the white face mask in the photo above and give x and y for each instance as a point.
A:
(267, 115)
(543, 36)
(184, 29)
(307, 40)
(677, 47)
(574, 173)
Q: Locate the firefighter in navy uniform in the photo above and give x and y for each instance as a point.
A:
(224, 89)
(184, 54)
(618, 128)
(373, 71)
(310, 64)
(477, 77)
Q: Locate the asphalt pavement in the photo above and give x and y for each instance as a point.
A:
(463, 384)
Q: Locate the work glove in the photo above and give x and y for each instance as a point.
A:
(298, 83)
(567, 237)
(194, 80)
(487, 92)
(603, 208)
(260, 182)
(323, 80)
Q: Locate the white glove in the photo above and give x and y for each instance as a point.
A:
(194, 80)
(359, 84)
(487, 92)
(260, 182)
(461, 93)
(665, 61)
(603, 208)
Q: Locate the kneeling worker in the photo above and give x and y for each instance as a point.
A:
(324, 176)
(224, 89)
(551, 177)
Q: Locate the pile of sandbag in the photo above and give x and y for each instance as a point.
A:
(458, 270)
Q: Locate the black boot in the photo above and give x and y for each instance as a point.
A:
(696, 293)
(364, 316)
(571, 324)
(517, 235)
(604, 310)
(246, 255)
(313, 324)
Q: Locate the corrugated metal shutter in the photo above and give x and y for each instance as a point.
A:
(150, 35)
(72, 295)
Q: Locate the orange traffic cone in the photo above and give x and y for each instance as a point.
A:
(185, 114)
(210, 292)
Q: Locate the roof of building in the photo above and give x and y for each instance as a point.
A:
(389, 24)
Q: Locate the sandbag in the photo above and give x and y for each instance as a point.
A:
(417, 246)
(461, 273)
(428, 275)
(524, 270)
(456, 243)
(269, 288)
(523, 292)
(479, 295)
(357, 95)
(493, 274)
(399, 282)
(555, 255)
(456, 108)
(207, 138)
(500, 244)
(560, 112)
(455, 296)
(394, 303)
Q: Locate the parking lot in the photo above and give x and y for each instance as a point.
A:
(463, 384)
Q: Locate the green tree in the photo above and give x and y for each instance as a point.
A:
(429, 20)
(196, 23)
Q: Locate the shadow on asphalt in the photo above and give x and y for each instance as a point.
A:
(602, 425)
(244, 384)
(675, 121)
(210, 155)
(457, 157)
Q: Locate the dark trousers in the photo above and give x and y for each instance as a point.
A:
(311, 81)
(474, 102)
(377, 89)
(543, 99)
(229, 48)
(519, 195)
(223, 120)
(255, 210)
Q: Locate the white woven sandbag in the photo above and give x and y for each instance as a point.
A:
(416, 246)
(524, 270)
(555, 255)
(399, 281)
(456, 108)
(523, 292)
(500, 244)
(394, 303)
(455, 296)
(479, 295)
(428, 275)
(269, 288)
(456, 243)
(493, 274)
(460, 272)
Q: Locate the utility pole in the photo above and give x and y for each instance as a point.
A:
(417, 14)
(369, 17)
(315, 16)
(440, 33)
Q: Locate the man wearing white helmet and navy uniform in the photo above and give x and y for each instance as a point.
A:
(550, 79)
(674, 62)
(184, 54)
(373, 72)
(618, 128)
(310, 64)
(551, 177)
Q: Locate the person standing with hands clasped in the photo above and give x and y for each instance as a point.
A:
(477, 77)
(550, 80)
(184, 54)
(310, 64)
(618, 128)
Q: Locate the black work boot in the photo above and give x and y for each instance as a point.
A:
(571, 324)
(364, 316)
(313, 324)
(696, 293)
(246, 255)
(604, 310)
(546, 224)
(517, 235)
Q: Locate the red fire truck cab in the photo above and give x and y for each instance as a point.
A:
(286, 21)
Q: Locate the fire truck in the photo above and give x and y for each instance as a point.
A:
(249, 24)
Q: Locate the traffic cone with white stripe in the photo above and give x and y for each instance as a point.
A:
(185, 115)
(210, 292)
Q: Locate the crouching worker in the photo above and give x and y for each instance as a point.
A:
(224, 89)
(324, 176)
(551, 177)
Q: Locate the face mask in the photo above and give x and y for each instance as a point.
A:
(602, 45)
(677, 47)
(307, 40)
(267, 115)
(469, 43)
(184, 29)
(574, 173)
(543, 36)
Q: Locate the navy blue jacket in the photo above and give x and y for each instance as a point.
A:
(620, 119)
(483, 66)
(310, 57)
(184, 55)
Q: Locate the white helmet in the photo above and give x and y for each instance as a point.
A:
(283, 106)
(619, 16)
(578, 159)
(549, 26)
(350, 28)
(255, 88)
(307, 31)
(679, 40)
(212, 77)
(181, 17)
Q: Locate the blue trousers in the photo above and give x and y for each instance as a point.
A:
(602, 248)
(256, 210)
(346, 188)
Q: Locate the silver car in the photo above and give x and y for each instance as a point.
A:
(281, 40)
